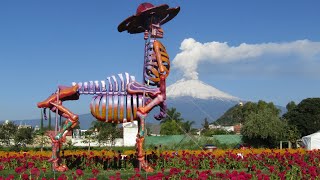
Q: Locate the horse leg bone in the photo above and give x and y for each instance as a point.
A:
(71, 122)
(58, 139)
(139, 145)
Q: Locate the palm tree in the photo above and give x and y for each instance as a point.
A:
(187, 126)
(172, 114)
(49, 126)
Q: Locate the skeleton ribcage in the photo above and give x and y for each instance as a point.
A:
(151, 71)
(113, 104)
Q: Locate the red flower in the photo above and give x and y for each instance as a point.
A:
(10, 177)
(20, 170)
(35, 171)
(271, 169)
(30, 165)
(118, 175)
(136, 170)
(25, 176)
(95, 172)
(44, 169)
(173, 171)
(1, 167)
(79, 172)
(62, 177)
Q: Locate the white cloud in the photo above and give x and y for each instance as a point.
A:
(193, 53)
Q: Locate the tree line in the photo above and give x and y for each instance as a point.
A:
(264, 126)
(13, 135)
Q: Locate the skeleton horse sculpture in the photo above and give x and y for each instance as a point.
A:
(122, 99)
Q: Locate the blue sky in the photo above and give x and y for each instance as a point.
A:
(47, 43)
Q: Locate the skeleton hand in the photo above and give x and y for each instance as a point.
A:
(163, 111)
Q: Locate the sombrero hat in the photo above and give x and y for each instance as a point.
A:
(138, 23)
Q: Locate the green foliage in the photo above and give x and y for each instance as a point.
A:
(191, 143)
(290, 106)
(89, 137)
(305, 116)
(172, 114)
(263, 128)
(292, 133)
(7, 132)
(10, 134)
(173, 124)
(41, 138)
(107, 132)
(205, 125)
(239, 113)
(24, 136)
(187, 127)
(234, 115)
(171, 128)
(49, 119)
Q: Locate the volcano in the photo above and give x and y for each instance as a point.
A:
(196, 100)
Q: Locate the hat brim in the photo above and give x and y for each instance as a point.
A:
(138, 23)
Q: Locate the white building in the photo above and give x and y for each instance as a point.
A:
(130, 131)
(226, 128)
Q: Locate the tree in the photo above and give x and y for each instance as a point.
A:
(239, 113)
(171, 128)
(205, 128)
(305, 116)
(49, 123)
(263, 128)
(41, 139)
(205, 125)
(89, 136)
(107, 132)
(172, 114)
(292, 133)
(172, 124)
(7, 132)
(24, 136)
(187, 126)
(290, 106)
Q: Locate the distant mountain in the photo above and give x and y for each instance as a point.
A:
(196, 100)
(85, 121)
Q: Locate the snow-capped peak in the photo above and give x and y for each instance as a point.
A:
(197, 89)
